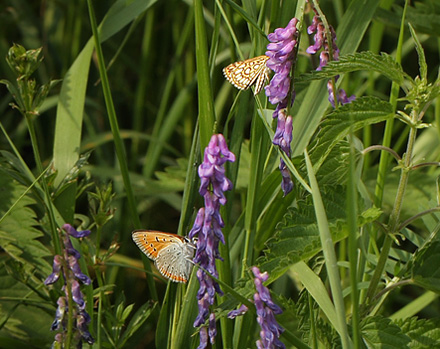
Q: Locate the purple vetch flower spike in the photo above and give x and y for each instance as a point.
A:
(282, 55)
(67, 265)
(266, 310)
(321, 42)
(207, 227)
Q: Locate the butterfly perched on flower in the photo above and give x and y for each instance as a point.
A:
(172, 254)
(244, 74)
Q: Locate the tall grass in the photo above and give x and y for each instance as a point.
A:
(352, 252)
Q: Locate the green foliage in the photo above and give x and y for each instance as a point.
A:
(352, 252)
(379, 332)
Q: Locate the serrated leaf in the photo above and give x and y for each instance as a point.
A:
(297, 237)
(353, 116)
(423, 333)
(425, 271)
(423, 68)
(18, 235)
(379, 332)
(383, 64)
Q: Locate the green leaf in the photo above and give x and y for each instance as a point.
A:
(383, 64)
(423, 67)
(361, 112)
(297, 236)
(24, 319)
(423, 333)
(18, 235)
(141, 315)
(425, 271)
(379, 332)
(72, 95)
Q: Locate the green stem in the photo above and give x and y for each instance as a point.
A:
(395, 214)
(119, 145)
(101, 300)
(30, 123)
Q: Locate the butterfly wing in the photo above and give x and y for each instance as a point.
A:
(171, 253)
(175, 261)
(243, 74)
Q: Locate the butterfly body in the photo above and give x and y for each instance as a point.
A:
(244, 74)
(172, 254)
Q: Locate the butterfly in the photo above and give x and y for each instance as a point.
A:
(172, 254)
(244, 74)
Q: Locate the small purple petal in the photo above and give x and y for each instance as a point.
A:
(59, 313)
(238, 312)
(56, 270)
(82, 323)
(74, 266)
(203, 338)
(77, 295)
(73, 232)
(212, 330)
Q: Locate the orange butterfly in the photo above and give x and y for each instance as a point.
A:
(244, 74)
(172, 254)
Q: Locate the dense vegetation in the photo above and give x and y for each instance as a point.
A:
(107, 108)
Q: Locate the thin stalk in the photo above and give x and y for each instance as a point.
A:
(395, 214)
(30, 123)
(99, 320)
(119, 145)
(328, 249)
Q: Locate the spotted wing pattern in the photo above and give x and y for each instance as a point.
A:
(244, 74)
(172, 254)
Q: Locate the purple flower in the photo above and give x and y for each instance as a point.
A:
(207, 226)
(321, 42)
(266, 310)
(76, 234)
(56, 270)
(238, 312)
(74, 266)
(59, 315)
(67, 265)
(282, 55)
